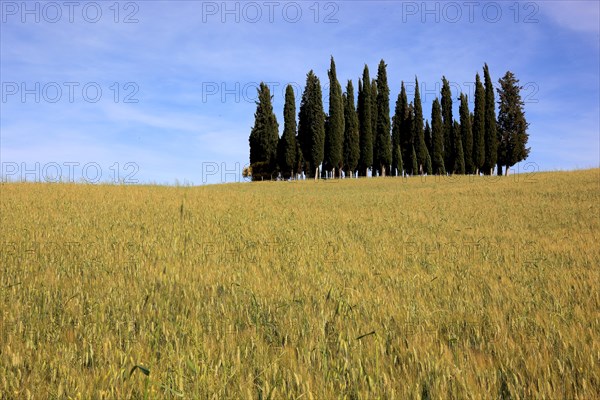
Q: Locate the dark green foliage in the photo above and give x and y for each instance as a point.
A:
(428, 167)
(404, 130)
(415, 164)
(466, 133)
(397, 120)
(479, 126)
(374, 122)
(428, 140)
(287, 156)
(512, 125)
(351, 139)
(311, 127)
(418, 134)
(262, 171)
(264, 136)
(437, 135)
(383, 144)
(459, 159)
(447, 124)
(490, 138)
(411, 162)
(400, 166)
(299, 166)
(334, 132)
(364, 121)
(363, 137)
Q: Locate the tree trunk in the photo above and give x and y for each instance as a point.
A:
(383, 171)
(507, 170)
(316, 173)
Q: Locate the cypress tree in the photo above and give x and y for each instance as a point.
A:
(418, 134)
(479, 127)
(396, 151)
(491, 141)
(466, 133)
(437, 136)
(383, 144)
(428, 167)
(334, 134)
(374, 123)
(287, 148)
(415, 165)
(311, 126)
(448, 125)
(364, 121)
(459, 159)
(512, 125)
(400, 163)
(427, 134)
(299, 165)
(397, 132)
(264, 137)
(405, 133)
(351, 139)
(412, 163)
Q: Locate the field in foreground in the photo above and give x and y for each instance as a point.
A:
(372, 288)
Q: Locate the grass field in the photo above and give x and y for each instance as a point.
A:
(466, 287)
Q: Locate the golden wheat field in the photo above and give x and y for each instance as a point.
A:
(386, 288)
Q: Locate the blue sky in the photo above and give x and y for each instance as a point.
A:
(178, 78)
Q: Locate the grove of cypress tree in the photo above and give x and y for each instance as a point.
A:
(334, 133)
(287, 148)
(459, 159)
(383, 144)
(512, 125)
(364, 121)
(466, 133)
(264, 136)
(351, 138)
(491, 141)
(437, 138)
(448, 125)
(418, 134)
(311, 125)
(479, 127)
